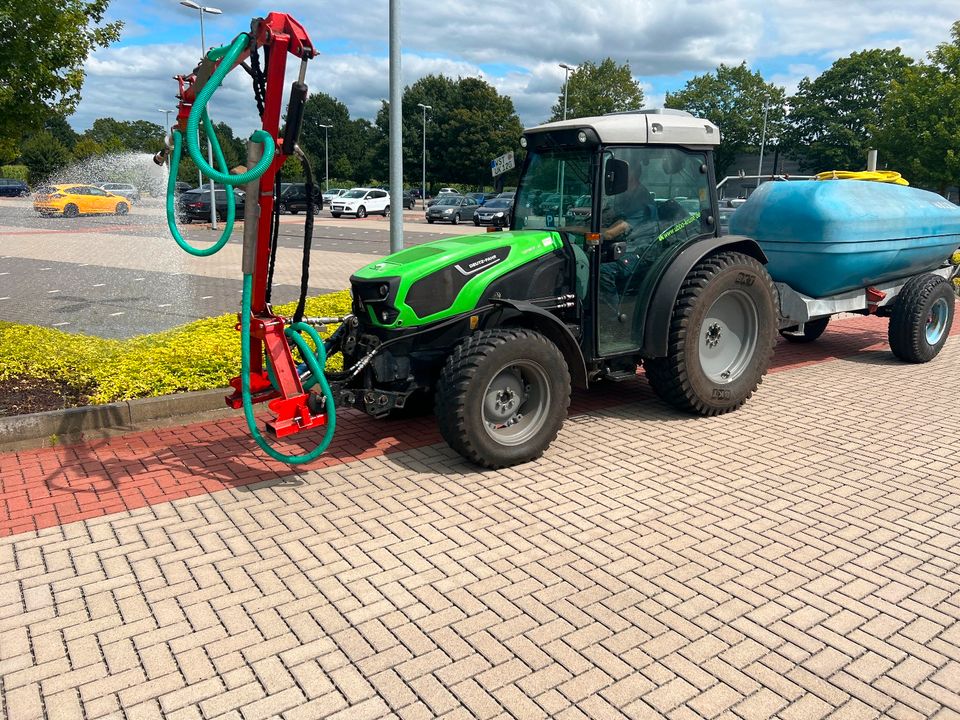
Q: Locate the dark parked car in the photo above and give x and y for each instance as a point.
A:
(294, 199)
(409, 200)
(494, 212)
(13, 188)
(451, 208)
(181, 187)
(479, 197)
(195, 205)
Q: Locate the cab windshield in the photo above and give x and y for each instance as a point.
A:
(552, 184)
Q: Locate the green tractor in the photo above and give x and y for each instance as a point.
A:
(494, 330)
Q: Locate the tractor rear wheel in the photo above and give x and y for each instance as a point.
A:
(502, 396)
(722, 335)
(921, 319)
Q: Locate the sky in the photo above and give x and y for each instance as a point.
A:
(517, 47)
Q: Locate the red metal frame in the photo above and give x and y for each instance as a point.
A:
(283, 35)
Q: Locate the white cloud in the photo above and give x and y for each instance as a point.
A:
(658, 39)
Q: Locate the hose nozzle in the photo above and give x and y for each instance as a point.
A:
(161, 157)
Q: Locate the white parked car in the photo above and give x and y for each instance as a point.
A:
(125, 189)
(332, 194)
(361, 202)
(448, 191)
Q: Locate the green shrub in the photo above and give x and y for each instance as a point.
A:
(14, 172)
(201, 355)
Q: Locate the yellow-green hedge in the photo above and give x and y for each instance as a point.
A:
(201, 355)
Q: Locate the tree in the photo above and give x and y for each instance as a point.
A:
(920, 135)
(468, 118)
(85, 148)
(43, 155)
(834, 117)
(132, 135)
(598, 90)
(344, 138)
(733, 98)
(43, 46)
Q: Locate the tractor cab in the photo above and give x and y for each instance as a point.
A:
(649, 177)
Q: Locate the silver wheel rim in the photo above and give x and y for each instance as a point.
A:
(728, 336)
(937, 321)
(515, 403)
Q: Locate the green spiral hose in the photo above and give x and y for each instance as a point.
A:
(315, 360)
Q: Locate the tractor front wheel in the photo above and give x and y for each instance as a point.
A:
(722, 335)
(502, 396)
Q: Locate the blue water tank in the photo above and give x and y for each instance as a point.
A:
(829, 236)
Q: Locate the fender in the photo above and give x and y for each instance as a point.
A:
(659, 312)
(536, 318)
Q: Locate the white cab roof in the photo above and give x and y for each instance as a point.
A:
(662, 126)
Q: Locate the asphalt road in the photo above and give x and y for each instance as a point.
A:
(118, 277)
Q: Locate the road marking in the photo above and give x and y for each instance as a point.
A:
(117, 313)
(165, 305)
(139, 278)
(4, 298)
(100, 285)
(46, 268)
(60, 324)
(206, 297)
(4, 273)
(49, 292)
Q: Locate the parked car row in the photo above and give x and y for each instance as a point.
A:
(494, 210)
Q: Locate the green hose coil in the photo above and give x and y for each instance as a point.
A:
(315, 360)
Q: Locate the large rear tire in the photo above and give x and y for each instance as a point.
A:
(502, 396)
(722, 335)
(921, 319)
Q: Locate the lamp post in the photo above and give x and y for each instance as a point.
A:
(423, 181)
(567, 69)
(763, 140)
(326, 156)
(166, 118)
(203, 49)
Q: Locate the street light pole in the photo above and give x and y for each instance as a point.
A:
(396, 131)
(203, 49)
(566, 72)
(326, 156)
(763, 140)
(423, 181)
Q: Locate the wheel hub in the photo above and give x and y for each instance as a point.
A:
(515, 402)
(504, 398)
(714, 333)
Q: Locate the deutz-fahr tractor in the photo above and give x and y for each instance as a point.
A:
(494, 330)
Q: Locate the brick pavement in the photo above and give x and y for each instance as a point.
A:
(798, 558)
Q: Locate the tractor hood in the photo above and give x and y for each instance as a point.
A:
(436, 280)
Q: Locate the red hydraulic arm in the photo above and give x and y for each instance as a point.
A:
(282, 35)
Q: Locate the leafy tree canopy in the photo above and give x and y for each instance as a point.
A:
(834, 117)
(734, 98)
(43, 46)
(599, 89)
(133, 135)
(468, 124)
(920, 133)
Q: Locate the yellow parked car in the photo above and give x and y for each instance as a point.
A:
(73, 200)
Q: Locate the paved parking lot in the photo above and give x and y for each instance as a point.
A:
(799, 558)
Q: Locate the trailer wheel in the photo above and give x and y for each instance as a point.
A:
(502, 396)
(722, 335)
(812, 330)
(921, 319)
